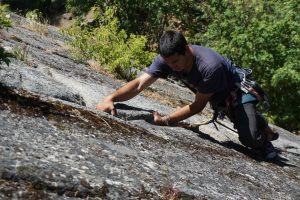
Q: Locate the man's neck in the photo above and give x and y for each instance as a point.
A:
(191, 59)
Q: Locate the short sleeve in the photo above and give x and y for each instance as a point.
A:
(213, 81)
(158, 68)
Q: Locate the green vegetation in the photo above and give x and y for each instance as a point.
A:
(264, 36)
(4, 56)
(38, 23)
(20, 52)
(4, 22)
(112, 47)
(36, 16)
(4, 16)
(149, 17)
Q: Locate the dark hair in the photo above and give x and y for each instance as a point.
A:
(172, 42)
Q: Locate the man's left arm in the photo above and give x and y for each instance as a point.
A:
(185, 112)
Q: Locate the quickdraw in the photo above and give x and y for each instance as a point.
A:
(252, 87)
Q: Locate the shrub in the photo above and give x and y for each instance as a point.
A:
(4, 16)
(20, 52)
(36, 16)
(4, 22)
(4, 56)
(113, 48)
(37, 22)
(150, 17)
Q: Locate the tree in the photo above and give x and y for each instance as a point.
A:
(264, 36)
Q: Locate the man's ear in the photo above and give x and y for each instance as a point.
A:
(187, 49)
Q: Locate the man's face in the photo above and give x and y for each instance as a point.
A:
(177, 62)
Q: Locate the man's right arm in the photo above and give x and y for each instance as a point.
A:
(126, 92)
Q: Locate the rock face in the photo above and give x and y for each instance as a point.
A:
(55, 145)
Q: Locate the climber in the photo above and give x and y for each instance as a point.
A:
(214, 79)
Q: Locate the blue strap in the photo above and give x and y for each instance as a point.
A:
(246, 98)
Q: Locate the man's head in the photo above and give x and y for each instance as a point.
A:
(175, 51)
(172, 42)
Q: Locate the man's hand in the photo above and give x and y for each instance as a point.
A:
(126, 92)
(107, 106)
(160, 120)
(184, 112)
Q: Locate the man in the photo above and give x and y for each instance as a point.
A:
(213, 79)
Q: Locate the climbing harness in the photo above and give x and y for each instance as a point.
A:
(251, 87)
(251, 91)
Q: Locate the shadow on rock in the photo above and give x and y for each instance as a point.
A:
(134, 113)
(122, 106)
(129, 113)
(280, 161)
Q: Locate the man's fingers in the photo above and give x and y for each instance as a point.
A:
(156, 117)
(105, 107)
(155, 114)
(113, 112)
(100, 107)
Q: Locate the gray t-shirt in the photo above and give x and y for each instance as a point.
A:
(211, 73)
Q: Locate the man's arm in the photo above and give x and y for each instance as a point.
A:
(126, 92)
(184, 112)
